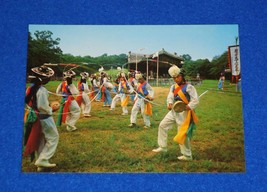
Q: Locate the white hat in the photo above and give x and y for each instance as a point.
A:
(101, 69)
(138, 76)
(43, 71)
(174, 71)
(84, 74)
(119, 68)
(69, 73)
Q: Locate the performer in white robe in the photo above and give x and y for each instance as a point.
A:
(83, 99)
(180, 91)
(37, 99)
(124, 90)
(144, 93)
(71, 112)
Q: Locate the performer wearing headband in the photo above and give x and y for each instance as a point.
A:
(117, 80)
(133, 83)
(144, 94)
(83, 99)
(41, 134)
(123, 95)
(71, 110)
(185, 94)
(106, 97)
(96, 85)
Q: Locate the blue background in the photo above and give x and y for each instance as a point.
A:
(15, 16)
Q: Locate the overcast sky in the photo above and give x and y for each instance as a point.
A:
(199, 41)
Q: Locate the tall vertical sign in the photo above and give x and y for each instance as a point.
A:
(234, 61)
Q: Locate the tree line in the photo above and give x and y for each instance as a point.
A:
(43, 48)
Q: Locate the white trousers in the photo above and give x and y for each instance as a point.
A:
(49, 140)
(139, 104)
(115, 99)
(166, 124)
(86, 104)
(74, 114)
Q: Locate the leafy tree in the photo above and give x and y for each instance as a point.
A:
(42, 48)
(218, 65)
(206, 69)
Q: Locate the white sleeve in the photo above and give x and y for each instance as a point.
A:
(73, 89)
(131, 90)
(150, 90)
(135, 83)
(94, 83)
(42, 101)
(170, 97)
(86, 88)
(58, 91)
(193, 96)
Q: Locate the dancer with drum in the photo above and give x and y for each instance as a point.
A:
(181, 101)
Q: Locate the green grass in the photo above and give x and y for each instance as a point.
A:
(104, 143)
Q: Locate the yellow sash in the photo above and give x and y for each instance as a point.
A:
(148, 109)
(26, 115)
(125, 101)
(181, 135)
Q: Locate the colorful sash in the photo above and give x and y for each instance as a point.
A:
(103, 93)
(32, 135)
(79, 98)
(59, 119)
(66, 108)
(123, 87)
(142, 92)
(188, 125)
(65, 103)
(177, 88)
(125, 101)
(148, 109)
(92, 94)
(33, 129)
(141, 89)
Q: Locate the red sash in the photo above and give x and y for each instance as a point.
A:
(177, 89)
(103, 93)
(34, 138)
(92, 93)
(79, 98)
(66, 108)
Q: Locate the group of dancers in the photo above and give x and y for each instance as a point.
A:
(131, 87)
(41, 133)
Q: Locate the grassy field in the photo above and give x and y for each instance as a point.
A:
(104, 143)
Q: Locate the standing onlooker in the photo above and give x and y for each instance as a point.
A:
(239, 85)
(180, 91)
(221, 82)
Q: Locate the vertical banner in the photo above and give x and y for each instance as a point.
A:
(234, 59)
